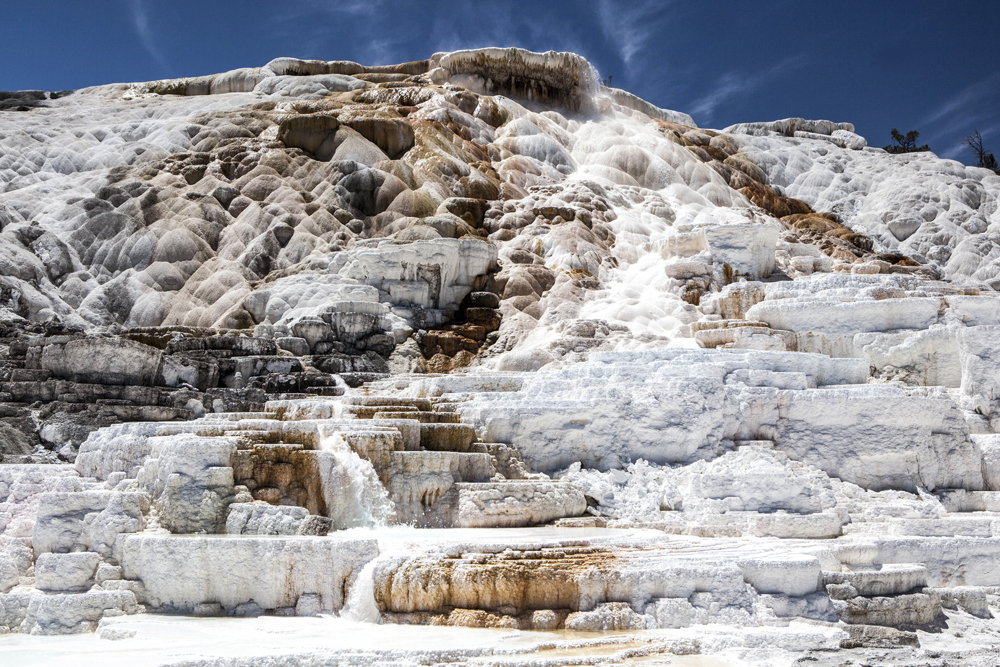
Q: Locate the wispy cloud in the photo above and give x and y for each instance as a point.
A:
(315, 25)
(971, 108)
(734, 85)
(353, 7)
(540, 31)
(381, 51)
(629, 26)
(389, 31)
(140, 21)
(306, 28)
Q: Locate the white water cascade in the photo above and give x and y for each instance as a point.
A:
(370, 500)
(360, 605)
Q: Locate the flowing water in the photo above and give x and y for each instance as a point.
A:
(371, 502)
(368, 498)
(360, 605)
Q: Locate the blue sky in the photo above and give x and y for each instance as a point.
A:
(921, 64)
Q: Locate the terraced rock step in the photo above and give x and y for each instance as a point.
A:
(900, 611)
(428, 417)
(149, 374)
(446, 437)
(580, 585)
(895, 579)
(369, 411)
(242, 576)
(517, 503)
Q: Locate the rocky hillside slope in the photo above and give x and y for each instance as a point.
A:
(493, 208)
(483, 291)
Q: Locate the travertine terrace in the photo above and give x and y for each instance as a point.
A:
(478, 343)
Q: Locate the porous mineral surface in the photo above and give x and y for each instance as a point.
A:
(320, 350)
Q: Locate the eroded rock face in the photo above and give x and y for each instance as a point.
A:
(383, 197)
(86, 520)
(517, 504)
(483, 291)
(266, 519)
(181, 228)
(294, 567)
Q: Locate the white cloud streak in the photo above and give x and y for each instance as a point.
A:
(353, 7)
(629, 26)
(143, 30)
(314, 22)
(540, 32)
(734, 85)
(378, 37)
(969, 109)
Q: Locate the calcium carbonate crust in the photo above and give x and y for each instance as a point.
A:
(269, 315)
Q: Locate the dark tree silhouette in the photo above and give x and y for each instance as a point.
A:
(984, 158)
(906, 144)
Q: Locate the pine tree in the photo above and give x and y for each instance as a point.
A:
(984, 158)
(906, 144)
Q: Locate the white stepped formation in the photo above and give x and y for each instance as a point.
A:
(744, 395)
(924, 207)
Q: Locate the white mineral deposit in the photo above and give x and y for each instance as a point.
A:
(475, 360)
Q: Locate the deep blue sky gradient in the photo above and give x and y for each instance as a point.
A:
(920, 64)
